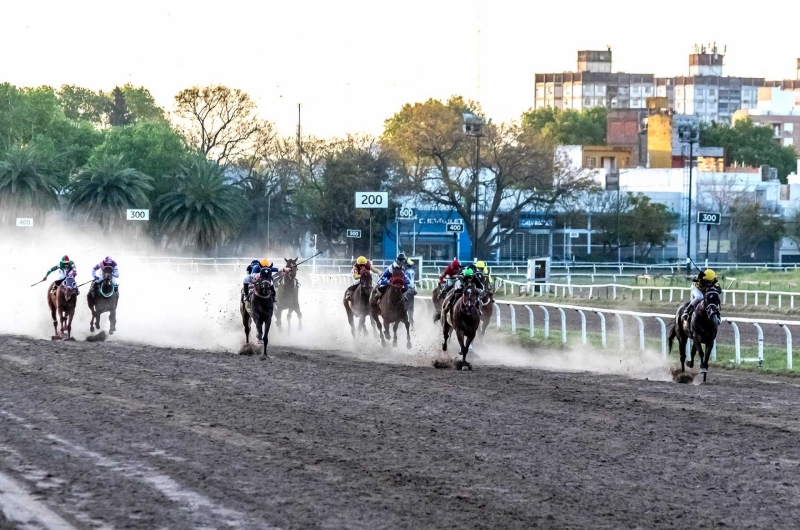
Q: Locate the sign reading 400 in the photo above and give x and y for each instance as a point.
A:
(372, 199)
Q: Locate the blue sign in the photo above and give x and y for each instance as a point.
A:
(535, 222)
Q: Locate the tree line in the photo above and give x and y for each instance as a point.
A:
(220, 179)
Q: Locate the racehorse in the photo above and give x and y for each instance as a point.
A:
(437, 302)
(411, 294)
(487, 308)
(391, 308)
(259, 306)
(103, 298)
(62, 302)
(287, 300)
(465, 318)
(701, 328)
(358, 304)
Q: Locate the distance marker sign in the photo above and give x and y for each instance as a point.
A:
(372, 199)
(708, 218)
(455, 227)
(138, 215)
(353, 233)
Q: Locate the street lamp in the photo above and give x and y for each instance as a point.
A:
(689, 133)
(473, 126)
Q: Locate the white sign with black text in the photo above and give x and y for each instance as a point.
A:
(138, 215)
(372, 199)
(24, 222)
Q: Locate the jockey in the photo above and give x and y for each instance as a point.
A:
(477, 274)
(66, 269)
(702, 283)
(108, 261)
(401, 260)
(468, 273)
(486, 278)
(448, 277)
(361, 266)
(386, 277)
(411, 273)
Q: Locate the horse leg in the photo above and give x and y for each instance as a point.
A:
(92, 319)
(463, 349)
(299, 318)
(112, 320)
(692, 350)
(704, 357)
(408, 335)
(396, 325)
(350, 319)
(682, 347)
(55, 320)
(69, 323)
(379, 326)
(445, 332)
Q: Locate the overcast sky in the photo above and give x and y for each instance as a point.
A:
(353, 63)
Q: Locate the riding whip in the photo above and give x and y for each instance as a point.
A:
(37, 283)
(309, 259)
(84, 283)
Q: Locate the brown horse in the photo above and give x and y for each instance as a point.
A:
(357, 304)
(465, 318)
(487, 308)
(287, 295)
(62, 303)
(391, 308)
(437, 302)
(259, 306)
(103, 298)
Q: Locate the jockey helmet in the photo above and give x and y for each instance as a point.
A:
(709, 275)
(468, 272)
(65, 259)
(265, 262)
(400, 258)
(108, 259)
(361, 260)
(481, 265)
(456, 263)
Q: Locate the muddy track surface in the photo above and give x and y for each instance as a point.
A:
(131, 436)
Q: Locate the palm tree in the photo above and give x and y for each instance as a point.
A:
(106, 188)
(26, 187)
(203, 210)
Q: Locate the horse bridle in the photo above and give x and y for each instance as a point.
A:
(259, 285)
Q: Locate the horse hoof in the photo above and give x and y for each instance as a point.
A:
(468, 366)
(690, 364)
(56, 337)
(459, 365)
(111, 332)
(705, 375)
(444, 346)
(408, 345)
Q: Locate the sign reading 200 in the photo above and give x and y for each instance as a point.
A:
(372, 199)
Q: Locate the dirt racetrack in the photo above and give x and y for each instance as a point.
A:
(133, 436)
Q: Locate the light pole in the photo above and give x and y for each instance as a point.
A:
(473, 126)
(690, 134)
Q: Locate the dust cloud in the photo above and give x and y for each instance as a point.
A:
(172, 306)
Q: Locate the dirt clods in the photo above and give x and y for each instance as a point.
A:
(99, 337)
(443, 363)
(249, 349)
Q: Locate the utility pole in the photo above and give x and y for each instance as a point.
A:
(689, 133)
(299, 141)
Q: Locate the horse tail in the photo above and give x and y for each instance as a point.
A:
(672, 335)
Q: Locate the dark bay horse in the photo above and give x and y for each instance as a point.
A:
(437, 302)
(465, 318)
(357, 304)
(259, 306)
(391, 308)
(103, 298)
(487, 308)
(62, 304)
(701, 329)
(287, 295)
(411, 294)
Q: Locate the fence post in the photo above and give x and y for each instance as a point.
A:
(546, 322)
(736, 344)
(563, 326)
(602, 328)
(621, 333)
(583, 326)
(788, 346)
(530, 318)
(641, 333)
(497, 310)
(663, 337)
(760, 345)
(513, 319)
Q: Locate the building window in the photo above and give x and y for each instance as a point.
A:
(587, 101)
(591, 161)
(777, 128)
(712, 92)
(788, 142)
(788, 128)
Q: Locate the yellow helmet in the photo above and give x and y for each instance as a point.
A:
(710, 275)
(265, 262)
(361, 260)
(481, 265)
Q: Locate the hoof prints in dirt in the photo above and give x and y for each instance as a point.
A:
(100, 337)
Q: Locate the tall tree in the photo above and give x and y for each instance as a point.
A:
(519, 169)
(80, 103)
(141, 104)
(118, 114)
(151, 147)
(203, 210)
(218, 121)
(569, 127)
(752, 226)
(105, 189)
(751, 145)
(26, 187)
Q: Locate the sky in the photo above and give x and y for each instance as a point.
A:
(353, 63)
